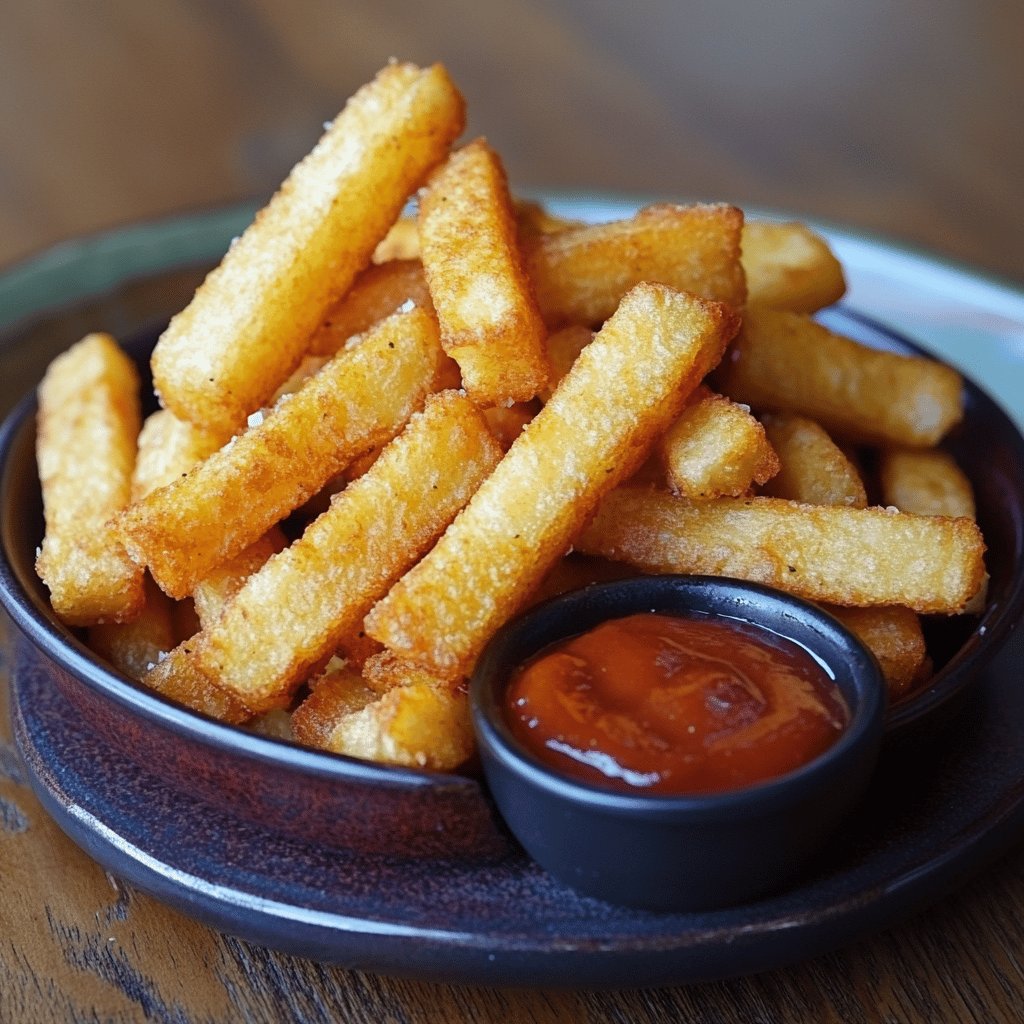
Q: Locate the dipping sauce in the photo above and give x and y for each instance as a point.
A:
(672, 705)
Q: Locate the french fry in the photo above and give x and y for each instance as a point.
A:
(789, 267)
(580, 274)
(214, 590)
(276, 725)
(894, 636)
(533, 219)
(361, 397)
(387, 671)
(339, 691)
(249, 323)
(168, 449)
(845, 556)
(785, 362)
(623, 390)
(446, 378)
(306, 600)
(928, 481)
(715, 448)
(564, 347)
(402, 242)
(85, 445)
(925, 481)
(176, 678)
(416, 725)
(134, 647)
(490, 324)
(814, 468)
(815, 471)
(375, 295)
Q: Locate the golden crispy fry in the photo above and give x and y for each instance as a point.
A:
(894, 636)
(580, 274)
(490, 324)
(339, 691)
(840, 555)
(786, 362)
(87, 429)
(446, 378)
(133, 647)
(564, 346)
(402, 242)
(925, 481)
(814, 469)
(276, 725)
(715, 448)
(249, 323)
(626, 386)
(788, 266)
(213, 592)
(168, 449)
(416, 725)
(533, 219)
(176, 678)
(360, 398)
(385, 671)
(375, 295)
(306, 600)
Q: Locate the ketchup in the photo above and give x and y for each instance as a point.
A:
(671, 705)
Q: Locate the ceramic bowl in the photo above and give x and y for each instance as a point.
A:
(691, 852)
(374, 809)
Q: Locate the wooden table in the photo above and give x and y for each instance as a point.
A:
(854, 113)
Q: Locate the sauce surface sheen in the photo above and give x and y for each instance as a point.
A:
(675, 705)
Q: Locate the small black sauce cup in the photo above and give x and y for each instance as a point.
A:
(686, 853)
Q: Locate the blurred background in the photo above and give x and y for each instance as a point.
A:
(900, 119)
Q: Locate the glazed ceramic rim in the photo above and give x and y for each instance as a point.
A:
(683, 594)
(147, 248)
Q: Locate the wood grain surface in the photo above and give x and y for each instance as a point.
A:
(897, 118)
(900, 119)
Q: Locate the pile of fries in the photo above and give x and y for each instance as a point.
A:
(382, 436)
